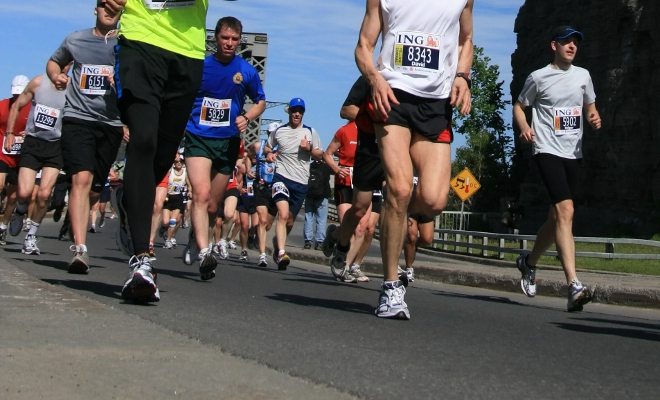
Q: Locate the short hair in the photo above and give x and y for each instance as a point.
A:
(229, 22)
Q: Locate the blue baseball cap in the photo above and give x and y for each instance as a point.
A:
(297, 102)
(565, 31)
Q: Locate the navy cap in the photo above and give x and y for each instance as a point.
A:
(565, 31)
(297, 102)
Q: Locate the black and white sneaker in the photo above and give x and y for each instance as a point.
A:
(140, 287)
(207, 264)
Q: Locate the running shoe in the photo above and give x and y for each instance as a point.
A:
(346, 277)
(244, 255)
(307, 245)
(207, 264)
(173, 240)
(283, 261)
(338, 262)
(578, 296)
(357, 273)
(391, 302)
(528, 278)
(16, 223)
(168, 244)
(330, 241)
(27, 225)
(220, 249)
(3, 236)
(80, 262)
(263, 260)
(124, 241)
(140, 287)
(92, 229)
(30, 245)
(406, 275)
(232, 245)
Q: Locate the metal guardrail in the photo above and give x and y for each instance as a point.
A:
(448, 238)
(470, 241)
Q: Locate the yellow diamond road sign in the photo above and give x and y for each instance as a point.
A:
(465, 184)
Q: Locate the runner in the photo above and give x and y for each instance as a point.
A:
(173, 209)
(160, 56)
(422, 71)
(212, 137)
(9, 159)
(558, 93)
(91, 129)
(40, 151)
(265, 172)
(296, 144)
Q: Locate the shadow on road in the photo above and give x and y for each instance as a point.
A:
(601, 330)
(492, 299)
(349, 306)
(100, 288)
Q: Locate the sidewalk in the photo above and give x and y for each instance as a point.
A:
(610, 287)
(57, 345)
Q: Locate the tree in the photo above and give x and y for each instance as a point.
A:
(488, 148)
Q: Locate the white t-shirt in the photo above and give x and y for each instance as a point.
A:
(557, 98)
(419, 54)
(293, 162)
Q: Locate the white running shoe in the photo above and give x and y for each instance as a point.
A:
(140, 287)
(244, 255)
(220, 248)
(528, 278)
(207, 264)
(578, 296)
(391, 302)
(232, 245)
(168, 244)
(80, 262)
(30, 245)
(263, 260)
(357, 273)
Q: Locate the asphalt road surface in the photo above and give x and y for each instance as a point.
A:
(460, 343)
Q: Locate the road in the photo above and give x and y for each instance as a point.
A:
(460, 343)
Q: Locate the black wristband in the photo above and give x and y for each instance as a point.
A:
(466, 77)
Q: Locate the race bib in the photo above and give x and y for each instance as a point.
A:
(45, 117)
(279, 188)
(416, 53)
(165, 4)
(568, 120)
(215, 112)
(250, 187)
(95, 79)
(16, 147)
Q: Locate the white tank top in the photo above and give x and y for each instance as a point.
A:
(177, 183)
(419, 52)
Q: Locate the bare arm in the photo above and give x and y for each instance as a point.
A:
(369, 33)
(349, 112)
(328, 155)
(526, 132)
(57, 75)
(593, 117)
(460, 92)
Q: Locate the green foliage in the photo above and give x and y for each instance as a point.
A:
(489, 145)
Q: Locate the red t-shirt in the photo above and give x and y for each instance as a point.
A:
(19, 126)
(347, 137)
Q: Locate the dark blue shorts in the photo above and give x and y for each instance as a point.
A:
(284, 189)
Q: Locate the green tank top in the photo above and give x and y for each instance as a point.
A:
(175, 25)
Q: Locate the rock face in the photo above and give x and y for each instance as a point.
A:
(620, 179)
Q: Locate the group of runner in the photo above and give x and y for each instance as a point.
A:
(149, 83)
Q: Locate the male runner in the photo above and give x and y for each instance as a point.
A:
(213, 131)
(421, 72)
(559, 94)
(296, 144)
(91, 128)
(40, 151)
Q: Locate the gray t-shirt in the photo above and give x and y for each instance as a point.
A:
(45, 118)
(557, 98)
(293, 162)
(89, 95)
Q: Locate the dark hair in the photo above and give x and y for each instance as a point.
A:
(229, 22)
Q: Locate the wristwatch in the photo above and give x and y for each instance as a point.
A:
(466, 77)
